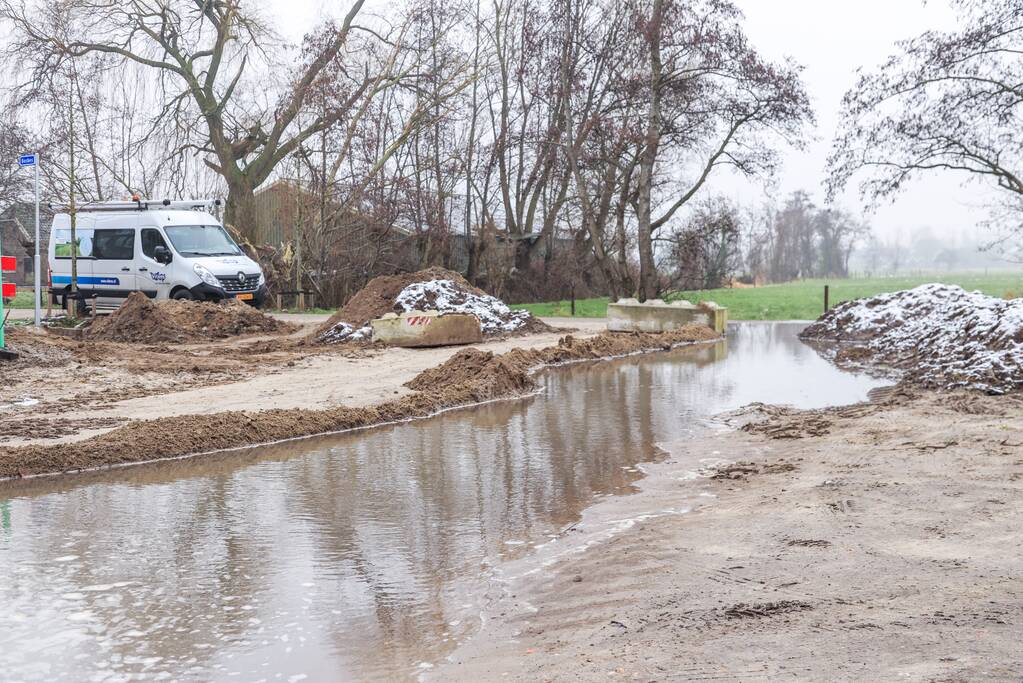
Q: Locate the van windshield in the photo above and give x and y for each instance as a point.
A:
(201, 240)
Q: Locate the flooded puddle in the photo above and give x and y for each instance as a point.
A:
(362, 556)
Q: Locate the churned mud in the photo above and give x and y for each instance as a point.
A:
(60, 386)
(878, 541)
(494, 376)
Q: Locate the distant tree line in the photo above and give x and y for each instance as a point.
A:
(722, 243)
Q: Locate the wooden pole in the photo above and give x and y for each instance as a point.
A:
(827, 297)
(70, 302)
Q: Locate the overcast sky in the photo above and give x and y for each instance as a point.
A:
(831, 39)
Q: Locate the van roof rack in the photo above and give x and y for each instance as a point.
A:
(141, 205)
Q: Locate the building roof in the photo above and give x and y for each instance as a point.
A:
(19, 219)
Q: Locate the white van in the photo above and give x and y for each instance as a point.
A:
(166, 250)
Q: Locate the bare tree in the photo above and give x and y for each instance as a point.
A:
(705, 253)
(599, 143)
(476, 134)
(709, 97)
(199, 54)
(946, 102)
(808, 241)
(16, 139)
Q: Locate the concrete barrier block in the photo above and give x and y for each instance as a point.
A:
(628, 315)
(427, 328)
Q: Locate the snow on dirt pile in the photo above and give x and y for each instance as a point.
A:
(431, 289)
(141, 320)
(940, 335)
(447, 297)
(344, 332)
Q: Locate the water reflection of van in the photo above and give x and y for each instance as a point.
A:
(167, 250)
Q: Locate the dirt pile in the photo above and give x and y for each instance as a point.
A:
(461, 367)
(433, 288)
(473, 366)
(144, 321)
(449, 385)
(940, 336)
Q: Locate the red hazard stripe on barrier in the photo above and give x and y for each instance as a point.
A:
(419, 320)
(9, 290)
(8, 264)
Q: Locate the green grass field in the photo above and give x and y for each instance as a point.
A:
(802, 300)
(23, 299)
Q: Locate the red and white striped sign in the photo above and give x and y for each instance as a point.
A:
(8, 264)
(9, 290)
(419, 320)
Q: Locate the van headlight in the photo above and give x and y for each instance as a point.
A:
(262, 279)
(205, 275)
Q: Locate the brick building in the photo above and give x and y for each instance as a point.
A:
(17, 231)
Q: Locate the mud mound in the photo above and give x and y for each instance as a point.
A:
(377, 297)
(483, 367)
(226, 319)
(141, 320)
(433, 288)
(343, 332)
(137, 320)
(941, 336)
(461, 367)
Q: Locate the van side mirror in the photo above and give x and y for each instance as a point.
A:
(162, 255)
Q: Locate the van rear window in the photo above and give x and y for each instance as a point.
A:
(108, 244)
(62, 242)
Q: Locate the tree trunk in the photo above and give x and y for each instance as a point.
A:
(240, 212)
(647, 268)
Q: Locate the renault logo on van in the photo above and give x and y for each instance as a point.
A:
(241, 278)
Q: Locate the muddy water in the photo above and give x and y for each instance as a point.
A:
(354, 557)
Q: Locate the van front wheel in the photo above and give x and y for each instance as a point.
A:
(183, 295)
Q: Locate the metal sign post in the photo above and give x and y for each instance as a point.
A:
(33, 160)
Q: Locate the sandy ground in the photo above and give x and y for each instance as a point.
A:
(103, 386)
(869, 543)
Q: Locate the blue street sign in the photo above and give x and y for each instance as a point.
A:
(27, 160)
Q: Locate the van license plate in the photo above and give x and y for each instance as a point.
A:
(244, 297)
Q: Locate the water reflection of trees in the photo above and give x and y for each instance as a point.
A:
(444, 496)
(389, 526)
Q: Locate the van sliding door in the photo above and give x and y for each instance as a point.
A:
(113, 264)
